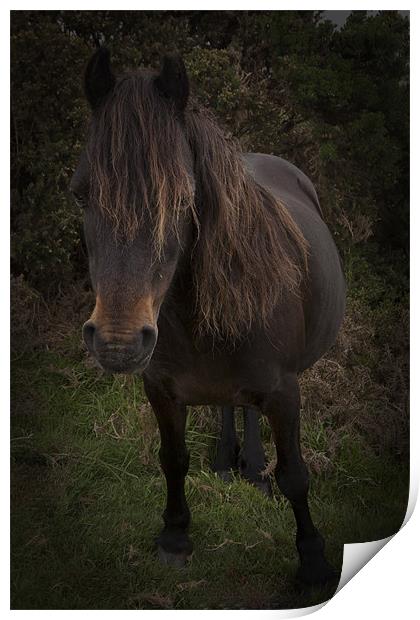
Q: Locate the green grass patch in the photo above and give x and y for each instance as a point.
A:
(87, 495)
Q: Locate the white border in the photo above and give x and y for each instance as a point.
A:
(387, 585)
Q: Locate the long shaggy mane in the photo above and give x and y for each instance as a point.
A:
(248, 250)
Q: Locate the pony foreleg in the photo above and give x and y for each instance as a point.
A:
(174, 545)
(227, 448)
(283, 411)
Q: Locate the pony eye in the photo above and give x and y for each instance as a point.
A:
(158, 276)
(80, 200)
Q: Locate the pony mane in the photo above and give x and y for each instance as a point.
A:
(248, 249)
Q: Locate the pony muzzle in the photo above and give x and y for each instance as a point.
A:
(123, 339)
(120, 352)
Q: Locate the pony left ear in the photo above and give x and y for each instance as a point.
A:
(172, 81)
(99, 79)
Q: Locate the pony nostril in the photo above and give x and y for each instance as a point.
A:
(149, 337)
(88, 334)
(119, 349)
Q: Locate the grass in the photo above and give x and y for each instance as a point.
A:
(87, 491)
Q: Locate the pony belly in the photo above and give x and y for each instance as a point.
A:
(220, 383)
(193, 390)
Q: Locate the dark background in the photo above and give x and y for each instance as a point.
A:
(335, 102)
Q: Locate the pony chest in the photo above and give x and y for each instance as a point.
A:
(202, 384)
(217, 381)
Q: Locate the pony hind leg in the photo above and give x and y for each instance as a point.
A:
(283, 412)
(173, 543)
(227, 447)
(252, 458)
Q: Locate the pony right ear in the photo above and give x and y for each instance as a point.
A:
(99, 79)
(172, 81)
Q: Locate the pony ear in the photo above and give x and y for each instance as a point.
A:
(99, 79)
(172, 81)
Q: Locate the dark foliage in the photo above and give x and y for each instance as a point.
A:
(334, 102)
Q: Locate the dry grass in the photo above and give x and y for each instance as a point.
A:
(39, 323)
(360, 385)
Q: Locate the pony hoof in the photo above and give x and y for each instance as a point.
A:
(261, 483)
(264, 487)
(225, 474)
(316, 573)
(177, 560)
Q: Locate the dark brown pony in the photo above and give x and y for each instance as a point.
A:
(224, 255)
